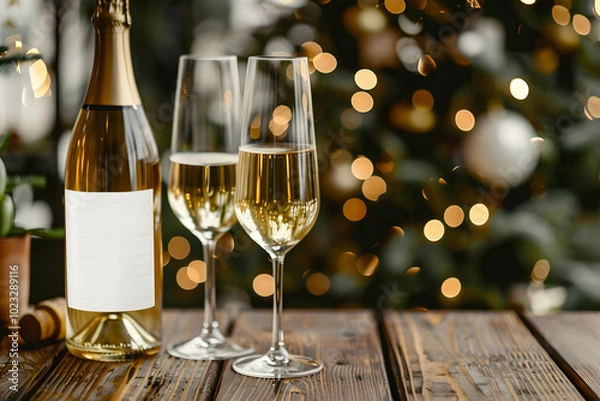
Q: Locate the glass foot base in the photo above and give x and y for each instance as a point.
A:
(259, 366)
(113, 337)
(199, 350)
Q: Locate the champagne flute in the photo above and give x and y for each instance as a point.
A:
(277, 191)
(202, 170)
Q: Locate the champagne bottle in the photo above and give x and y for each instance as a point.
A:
(112, 207)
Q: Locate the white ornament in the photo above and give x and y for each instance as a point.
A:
(500, 151)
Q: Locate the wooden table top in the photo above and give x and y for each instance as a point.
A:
(397, 355)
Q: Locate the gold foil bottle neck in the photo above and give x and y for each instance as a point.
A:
(111, 12)
(112, 82)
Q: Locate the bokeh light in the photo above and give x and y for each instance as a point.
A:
(454, 216)
(39, 77)
(426, 65)
(374, 187)
(451, 287)
(367, 264)
(519, 89)
(422, 99)
(561, 15)
(371, 20)
(346, 261)
(325, 63)
(592, 107)
(362, 167)
(434, 230)
(395, 6)
(464, 120)
(362, 102)
(365, 79)
(409, 52)
(413, 271)
(528, 2)
(300, 33)
(582, 25)
(354, 209)
(351, 119)
(178, 247)
(196, 271)
(310, 49)
(263, 285)
(183, 280)
(479, 214)
(408, 26)
(317, 284)
(540, 271)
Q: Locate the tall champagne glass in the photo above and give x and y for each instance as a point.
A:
(277, 193)
(202, 170)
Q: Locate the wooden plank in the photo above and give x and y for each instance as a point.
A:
(32, 365)
(347, 342)
(157, 377)
(573, 340)
(440, 355)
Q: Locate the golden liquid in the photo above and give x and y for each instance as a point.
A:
(278, 195)
(112, 150)
(201, 191)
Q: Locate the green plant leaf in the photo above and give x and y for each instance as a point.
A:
(9, 63)
(36, 181)
(4, 138)
(7, 214)
(49, 233)
(3, 178)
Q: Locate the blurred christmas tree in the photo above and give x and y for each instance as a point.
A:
(459, 160)
(459, 155)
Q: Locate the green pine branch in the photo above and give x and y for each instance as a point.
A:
(8, 63)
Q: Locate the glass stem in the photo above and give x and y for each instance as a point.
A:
(210, 331)
(277, 354)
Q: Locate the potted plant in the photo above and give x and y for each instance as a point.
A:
(15, 241)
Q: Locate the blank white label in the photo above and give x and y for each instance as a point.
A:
(110, 250)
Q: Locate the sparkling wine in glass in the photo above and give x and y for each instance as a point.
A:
(277, 193)
(202, 184)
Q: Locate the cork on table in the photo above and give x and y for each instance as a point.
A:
(394, 355)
